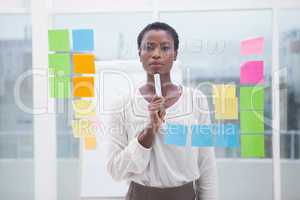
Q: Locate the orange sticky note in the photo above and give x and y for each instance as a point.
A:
(83, 86)
(84, 63)
(90, 143)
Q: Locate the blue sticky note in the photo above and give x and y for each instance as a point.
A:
(83, 40)
(227, 135)
(202, 135)
(176, 134)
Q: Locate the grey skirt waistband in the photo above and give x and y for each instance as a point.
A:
(137, 191)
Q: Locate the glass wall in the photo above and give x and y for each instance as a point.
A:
(115, 39)
(16, 124)
(290, 101)
(210, 52)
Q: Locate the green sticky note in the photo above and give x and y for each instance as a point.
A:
(253, 146)
(252, 121)
(60, 87)
(252, 98)
(60, 64)
(59, 40)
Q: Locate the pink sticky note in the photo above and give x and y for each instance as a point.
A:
(252, 72)
(254, 46)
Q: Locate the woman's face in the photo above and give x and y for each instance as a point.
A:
(157, 52)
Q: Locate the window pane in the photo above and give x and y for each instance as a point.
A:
(16, 125)
(210, 49)
(290, 102)
(67, 145)
(68, 164)
(114, 38)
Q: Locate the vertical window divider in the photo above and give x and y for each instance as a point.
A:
(43, 114)
(275, 104)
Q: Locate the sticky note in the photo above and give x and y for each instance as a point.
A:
(252, 146)
(252, 98)
(84, 63)
(225, 101)
(58, 40)
(253, 46)
(175, 134)
(83, 86)
(252, 72)
(90, 143)
(252, 121)
(202, 135)
(226, 109)
(60, 87)
(224, 91)
(84, 128)
(83, 40)
(227, 135)
(59, 64)
(84, 108)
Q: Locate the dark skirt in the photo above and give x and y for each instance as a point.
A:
(140, 192)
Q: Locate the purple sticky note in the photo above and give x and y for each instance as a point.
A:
(252, 72)
(254, 46)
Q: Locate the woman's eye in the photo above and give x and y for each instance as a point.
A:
(165, 48)
(148, 48)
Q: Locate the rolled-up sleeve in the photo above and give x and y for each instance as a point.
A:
(125, 157)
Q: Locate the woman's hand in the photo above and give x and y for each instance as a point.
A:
(156, 112)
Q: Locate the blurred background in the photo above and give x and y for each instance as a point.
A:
(209, 34)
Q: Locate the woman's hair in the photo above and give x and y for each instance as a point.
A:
(159, 26)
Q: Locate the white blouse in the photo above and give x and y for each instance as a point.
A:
(162, 165)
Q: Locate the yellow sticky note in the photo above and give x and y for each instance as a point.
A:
(230, 91)
(84, 63)
(83, 128)
(83, 86)
(226, 109)
(90, 143)
(218, 92)
(225, 101)
(84, 108)
(224, 91)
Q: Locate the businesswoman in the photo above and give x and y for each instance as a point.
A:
(137, 150)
